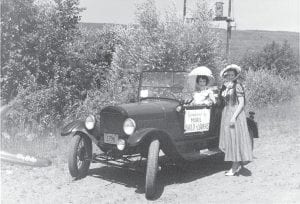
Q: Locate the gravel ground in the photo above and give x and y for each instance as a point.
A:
(273, 177)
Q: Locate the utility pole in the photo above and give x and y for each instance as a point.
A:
(228, 20)
(219, 17)
(184, 9)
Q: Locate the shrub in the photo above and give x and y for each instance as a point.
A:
(166, 44)
(266, 87)
(36, 110)
(34, 38)
(276, 57)
(78, 87)
(96, 100)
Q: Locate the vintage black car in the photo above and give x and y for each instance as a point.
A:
(157, 121)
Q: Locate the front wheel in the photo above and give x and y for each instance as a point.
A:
(80, 156)
(152, 168)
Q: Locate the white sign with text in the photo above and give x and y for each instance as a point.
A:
(196, 120)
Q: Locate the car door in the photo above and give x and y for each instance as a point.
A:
(199, 130)
(196, 122)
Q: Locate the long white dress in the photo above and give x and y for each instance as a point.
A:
(235, 141)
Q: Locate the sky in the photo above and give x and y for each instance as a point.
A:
(274, 15)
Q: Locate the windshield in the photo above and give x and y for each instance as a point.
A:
(164, 84)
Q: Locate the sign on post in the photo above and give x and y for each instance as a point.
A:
(219, 9)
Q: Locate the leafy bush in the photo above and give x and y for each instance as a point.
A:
(52, 65)
(271, 74)
(266, 87)
(166, 44)
(86, 76)
(276, 57)
(34, 37)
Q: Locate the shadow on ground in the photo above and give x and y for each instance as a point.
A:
(169, 174)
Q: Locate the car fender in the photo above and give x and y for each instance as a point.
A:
(75, 127)
(139, 136)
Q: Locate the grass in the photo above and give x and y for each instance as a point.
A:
(255, 40)
(47, 147)
(264, 87)
(281, 119)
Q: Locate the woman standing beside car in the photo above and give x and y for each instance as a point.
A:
(235, 140)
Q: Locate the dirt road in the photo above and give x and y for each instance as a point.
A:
(273, 177)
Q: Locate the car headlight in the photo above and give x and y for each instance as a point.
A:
(90, 122)
(129, 126)
(179, 108)
(121, 144)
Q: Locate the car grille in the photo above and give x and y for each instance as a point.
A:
(112, 122)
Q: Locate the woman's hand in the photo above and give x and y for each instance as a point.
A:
(232, 122)
(188, 100)
(208, 103)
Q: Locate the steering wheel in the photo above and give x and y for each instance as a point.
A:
(165, 92)
(177, 88)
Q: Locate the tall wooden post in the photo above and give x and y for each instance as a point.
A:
(228, 19)
(228, 31)
(184, 9)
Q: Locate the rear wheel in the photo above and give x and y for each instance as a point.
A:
(152, 168)
(80, 156)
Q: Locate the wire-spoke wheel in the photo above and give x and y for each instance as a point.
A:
(80, 156)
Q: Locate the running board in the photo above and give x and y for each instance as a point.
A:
(204, 153)
(210, 152)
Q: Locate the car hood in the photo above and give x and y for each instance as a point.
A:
(149, 110)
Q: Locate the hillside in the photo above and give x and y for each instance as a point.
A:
(241, 40)
(256, 39)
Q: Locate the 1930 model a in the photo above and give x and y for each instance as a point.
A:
(157, 121)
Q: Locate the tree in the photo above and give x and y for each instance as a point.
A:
(274, 56)
(18, 23)
(37, 58)
(34, 39)
(167, 44)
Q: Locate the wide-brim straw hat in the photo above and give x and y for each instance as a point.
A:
(200, 71)
(235, 67)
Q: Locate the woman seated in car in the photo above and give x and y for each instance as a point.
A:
(201, 79)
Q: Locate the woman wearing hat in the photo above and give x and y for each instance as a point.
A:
(235, 141)
(200, 79)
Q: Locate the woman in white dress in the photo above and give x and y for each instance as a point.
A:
(201, 79)
(235, 140)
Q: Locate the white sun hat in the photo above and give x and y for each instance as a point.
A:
(200, 71)
(235, 67)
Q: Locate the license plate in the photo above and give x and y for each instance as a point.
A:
(110, 138)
